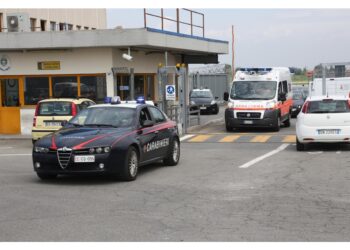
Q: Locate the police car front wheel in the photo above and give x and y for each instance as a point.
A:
(173, 155)
(130, 168)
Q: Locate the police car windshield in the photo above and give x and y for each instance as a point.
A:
(253, 90)
(105, 117)
(201, 94)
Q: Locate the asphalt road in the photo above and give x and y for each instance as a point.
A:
(216, 193)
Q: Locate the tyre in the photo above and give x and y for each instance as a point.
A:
(131, 165)
(46, 176)
(278, 125)
(228, 128)
(287, 122)
(300, 146)
(173, 156)
(33, 141)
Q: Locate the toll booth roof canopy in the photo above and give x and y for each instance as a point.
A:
(146, 38)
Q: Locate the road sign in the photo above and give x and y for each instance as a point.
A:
(170, 93)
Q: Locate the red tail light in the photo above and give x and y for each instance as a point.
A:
(36, 114)
(74, 109)
(305, 107)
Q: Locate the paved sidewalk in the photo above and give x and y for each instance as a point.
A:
(15, 137)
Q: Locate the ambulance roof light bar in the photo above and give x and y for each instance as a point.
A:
(257, 70)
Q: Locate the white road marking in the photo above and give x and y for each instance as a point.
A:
(338, 152)
(15, 154)
(315, 152)
(260, 158)
(185, 137)
(6, 147)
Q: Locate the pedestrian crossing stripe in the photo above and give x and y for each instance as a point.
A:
(251, 138)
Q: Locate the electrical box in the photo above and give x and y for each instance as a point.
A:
(18, 22)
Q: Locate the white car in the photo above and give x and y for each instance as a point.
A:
(324, 119)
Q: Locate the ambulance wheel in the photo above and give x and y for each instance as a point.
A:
(300, 146)
(287, 122)
(173, 156)
(131, 165)
(278, 124)
(43, 176)
(228, 128)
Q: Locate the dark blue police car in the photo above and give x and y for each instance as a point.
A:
(110, 138)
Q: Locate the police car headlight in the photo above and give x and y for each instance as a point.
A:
(271, 105)
(91, 150)
(41, 150)
(107, 149)
(212, 102)
(99, 150)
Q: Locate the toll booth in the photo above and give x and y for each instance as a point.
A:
(172, 94)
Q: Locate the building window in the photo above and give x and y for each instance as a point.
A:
(93, 87)
(65, 86)
(86, 28)
(35, 89)
(70, 26)
(93, 28)
(52, 26)
(62, 26)
(32, 24)
(43, 25)
(139, 85)
(149, 88)
(78, 27)
(123, 82)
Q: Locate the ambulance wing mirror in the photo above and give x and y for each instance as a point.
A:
(282, 97)
(147, 123)
(226, 96)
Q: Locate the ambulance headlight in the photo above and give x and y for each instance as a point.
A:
(271, 105)
(40, 150)
(230, 105)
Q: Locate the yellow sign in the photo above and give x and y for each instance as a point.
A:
(49, 65)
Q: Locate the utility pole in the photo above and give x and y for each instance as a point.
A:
(233, 52)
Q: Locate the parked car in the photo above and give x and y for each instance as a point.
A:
(204, 101)
(324, 119)
(298, 101)
(50, 113)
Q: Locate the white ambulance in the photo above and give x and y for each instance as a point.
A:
(259, 97)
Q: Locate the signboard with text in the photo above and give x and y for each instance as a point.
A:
(170, 93)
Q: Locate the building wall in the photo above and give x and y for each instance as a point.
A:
(91, 18)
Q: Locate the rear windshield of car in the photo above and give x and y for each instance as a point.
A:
(328, 106)
(55, 109)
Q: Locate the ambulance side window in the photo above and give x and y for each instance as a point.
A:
(285, 87)
(280, 89)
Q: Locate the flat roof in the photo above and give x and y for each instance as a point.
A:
(142, 38)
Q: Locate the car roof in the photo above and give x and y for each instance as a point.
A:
(75, 100)
(121, 105)
(334, 97)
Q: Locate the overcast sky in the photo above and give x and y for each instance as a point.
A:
(271, 37)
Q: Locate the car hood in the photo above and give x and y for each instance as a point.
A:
(202, 100)
(296, 103)
(78, 138)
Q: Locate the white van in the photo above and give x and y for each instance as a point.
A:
(259, 97)
(334, 86)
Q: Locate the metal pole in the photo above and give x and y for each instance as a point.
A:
(132, 85)
(144, 17)
(191, 25)
(323, 79)
(178, 20)
(162, 18)
(233, 52)
(166, 58)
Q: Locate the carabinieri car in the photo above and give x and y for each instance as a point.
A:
(108, 138)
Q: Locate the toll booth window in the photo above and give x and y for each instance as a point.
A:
(65, 87)
(157, 115)
(93, 87)
(35, 89)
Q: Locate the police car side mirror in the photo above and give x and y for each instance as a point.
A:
(147, 123)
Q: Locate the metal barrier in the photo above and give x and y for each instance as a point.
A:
(193, 112)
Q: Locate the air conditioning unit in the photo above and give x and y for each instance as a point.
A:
(18, 22)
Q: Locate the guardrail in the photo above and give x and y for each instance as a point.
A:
(173, 112)
(193, 112)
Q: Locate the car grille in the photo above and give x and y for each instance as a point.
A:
(63, 155)
(249, 115)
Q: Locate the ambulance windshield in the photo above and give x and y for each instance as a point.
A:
(253, 90)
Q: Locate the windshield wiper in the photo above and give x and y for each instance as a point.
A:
(101, 125)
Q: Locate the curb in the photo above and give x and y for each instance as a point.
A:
(15, 137)
(198, 127)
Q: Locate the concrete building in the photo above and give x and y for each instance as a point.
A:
(33, 64)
